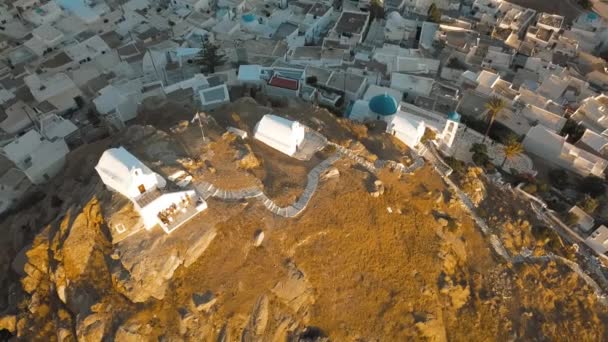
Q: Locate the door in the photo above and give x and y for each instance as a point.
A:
(141, 188)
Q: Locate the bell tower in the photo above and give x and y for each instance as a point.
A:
(450, 130)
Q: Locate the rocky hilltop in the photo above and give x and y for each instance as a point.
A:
(381, 255)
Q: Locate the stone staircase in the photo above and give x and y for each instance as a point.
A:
(207, 190)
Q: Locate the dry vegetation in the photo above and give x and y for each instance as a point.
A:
(406, 265)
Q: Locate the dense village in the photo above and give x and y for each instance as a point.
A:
(492, 96)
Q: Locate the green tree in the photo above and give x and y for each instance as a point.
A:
(376, 9)
(573, 130)
(494, 106)
(479, 148)
(558, 178)
(480, 155)
(588, 204)
(434, 14)
(511, 149)
(586, 4)
(592, 186)
(571, 219)
(210, 57)
(429, 135)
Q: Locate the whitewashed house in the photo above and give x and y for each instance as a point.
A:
(598, 240)
(583, 220)
(122, 172)
(40, 159)
(43, 14)
(553, 148)
(349, 28)
(593, 113)
(55, 127)
(407, 128)
(119, 100)
(594, 143)
(87, 50)
(279, 133)
(214, 97)
(58, 89)
(411, 85)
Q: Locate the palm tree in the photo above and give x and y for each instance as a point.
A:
(511, 149)
(494, 106)
(376, 9)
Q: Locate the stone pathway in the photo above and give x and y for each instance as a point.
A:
(379, 164)
(207, 190)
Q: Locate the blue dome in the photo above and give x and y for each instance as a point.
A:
(248, 18)
(592, 16)
(383, 105)
(453, 116)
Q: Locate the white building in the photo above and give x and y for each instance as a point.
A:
(87, 50)
(16, 117)
(583, 220)
(122, 172)
(411, 85)
(38, 158)
(214, 97)
(407, 128)
(553, 148)
(349, 28)
(58, 89)
(406, 122)
(120, 99)
(593, 113)
(43, 14)
(279, 133)
(594, 143)
(598, 240)
(55, 127)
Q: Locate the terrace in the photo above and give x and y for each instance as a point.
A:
(551, 21)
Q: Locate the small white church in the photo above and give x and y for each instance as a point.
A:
(122, 172)
(404, 123)
(279, 133)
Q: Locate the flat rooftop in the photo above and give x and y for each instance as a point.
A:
(345, 81)
(284, 30)
(322, 75)
(552, 20)
(351, 22)
(214, 94)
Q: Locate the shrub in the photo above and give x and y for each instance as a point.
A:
(480, 159)
(429, 135)
(573, 130)
(570, 219)
(588, 204)
(558, 178)
(592, 186)
(544, 187)
(457, 165)
(530, 188)
(479, 148)
(586, 4)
